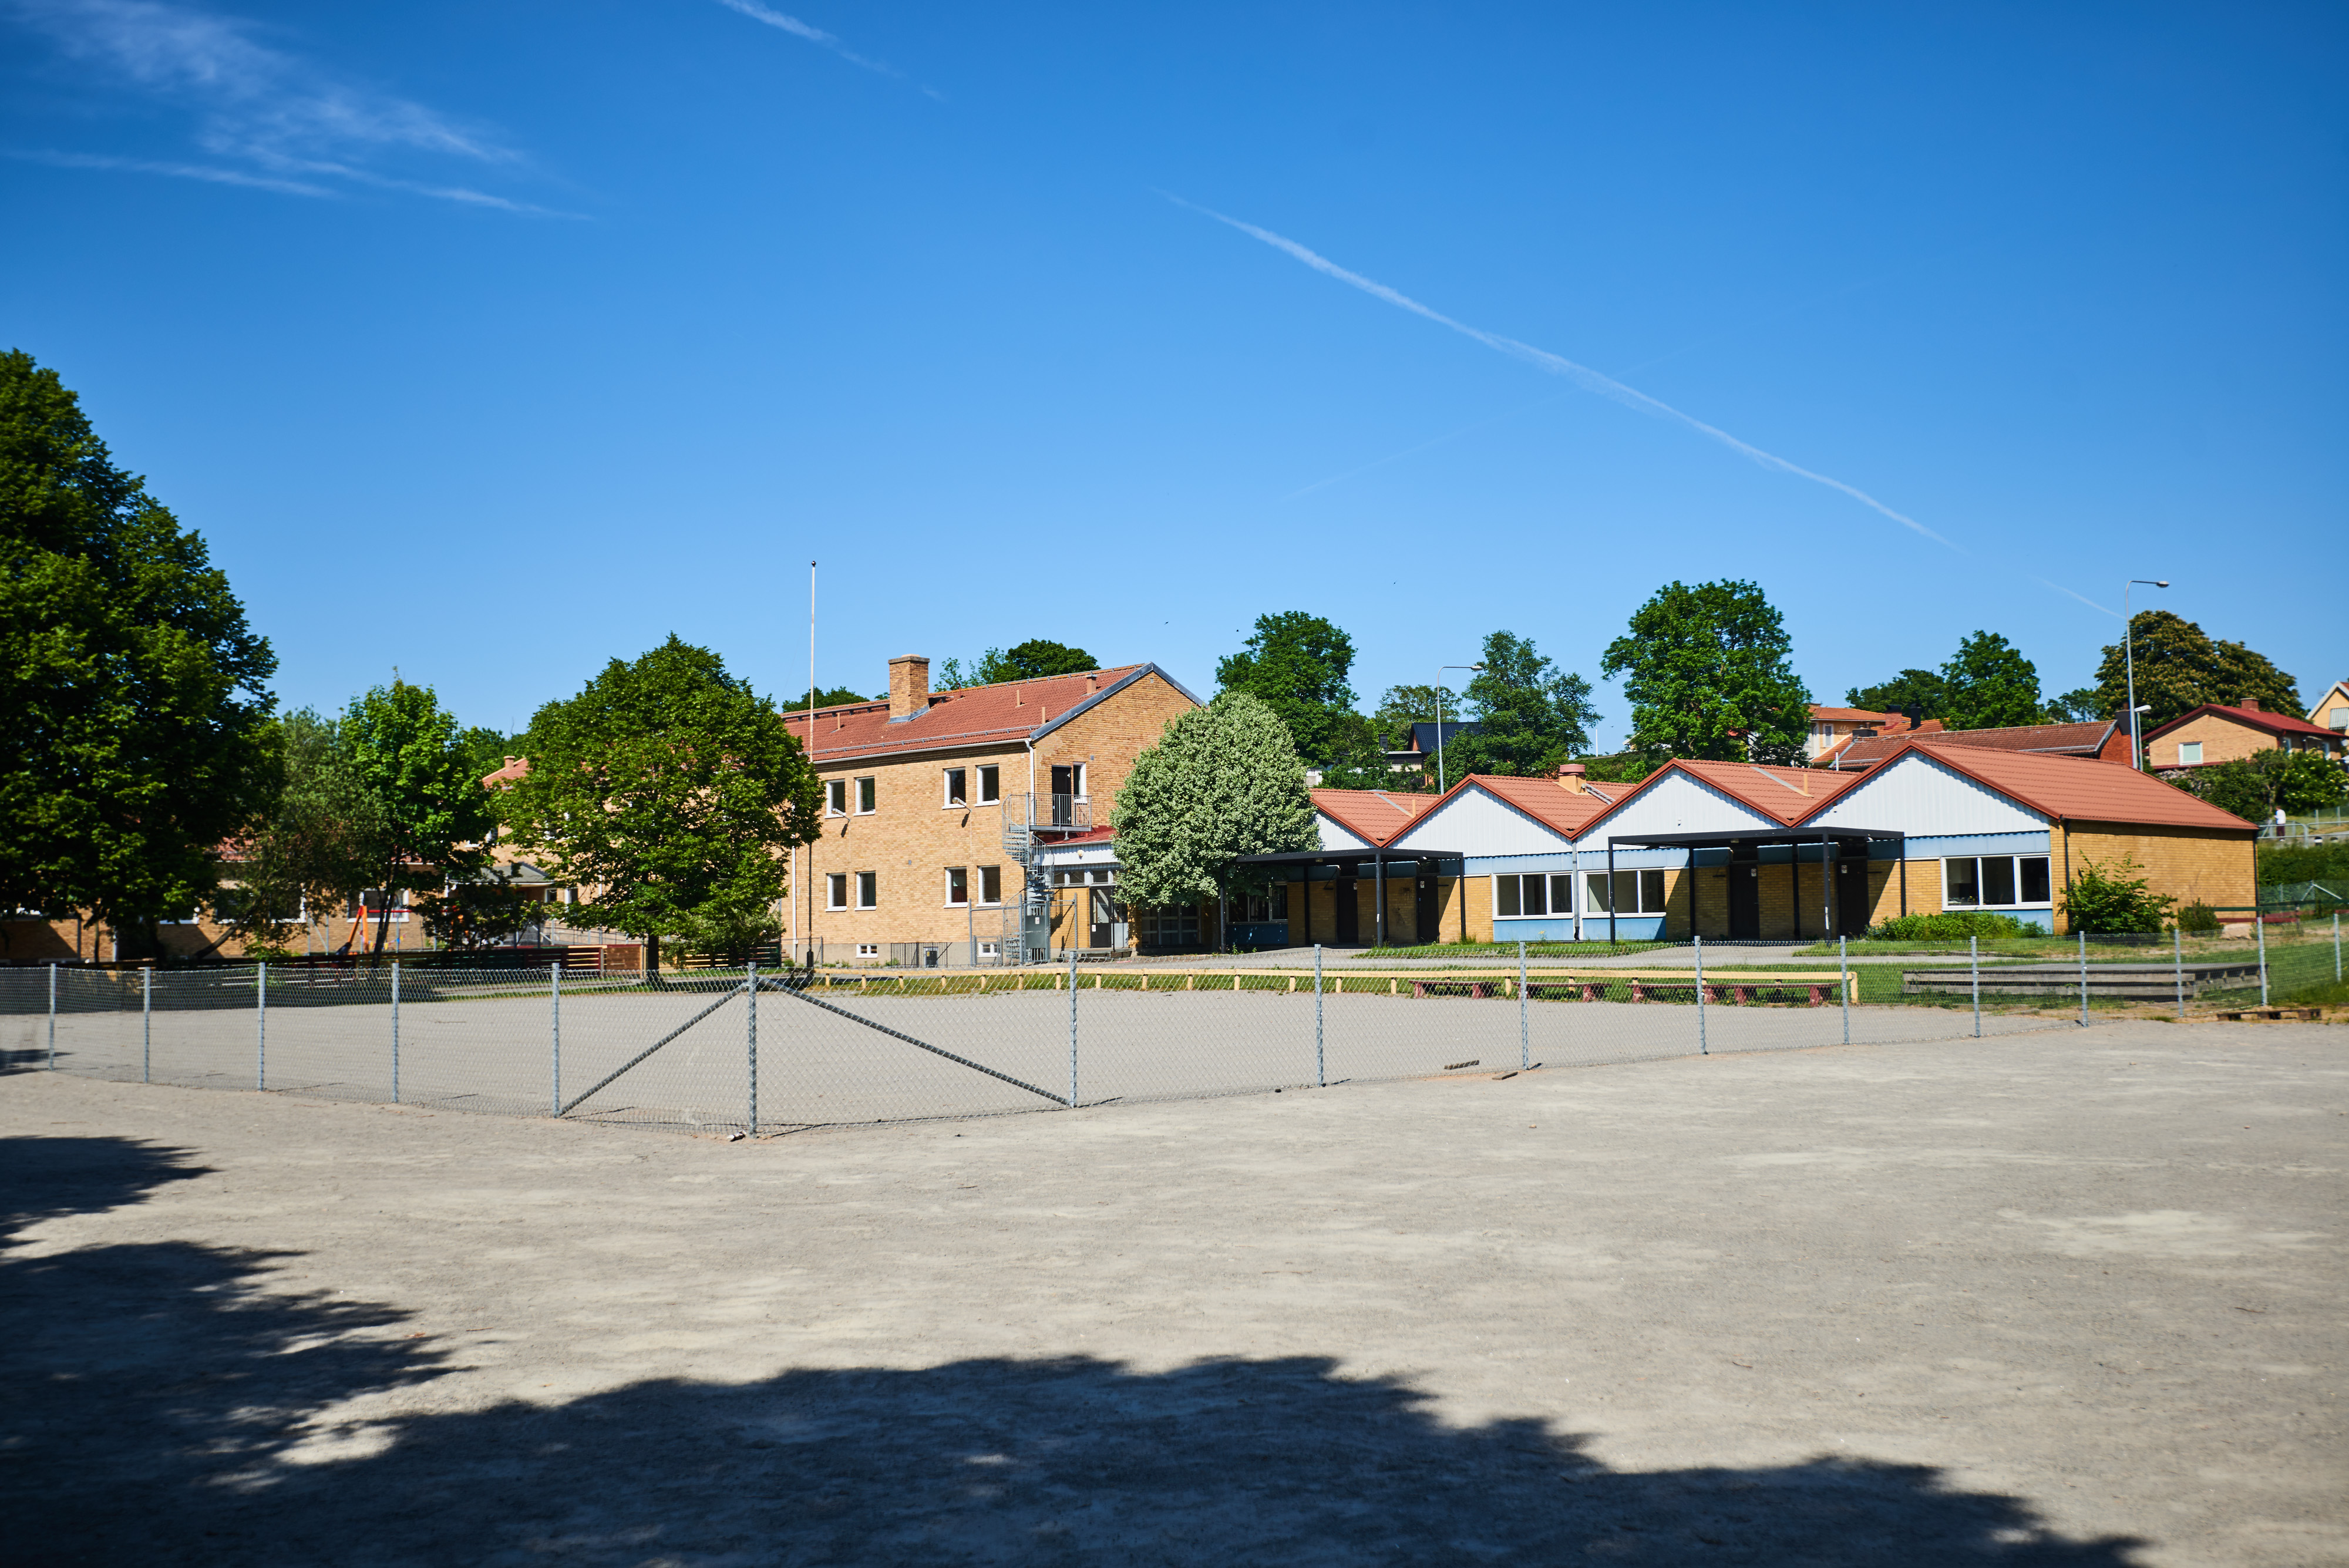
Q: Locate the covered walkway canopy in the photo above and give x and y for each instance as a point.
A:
(1343, 863)
(1854, 844)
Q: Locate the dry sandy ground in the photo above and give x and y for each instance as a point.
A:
(2069, 1298)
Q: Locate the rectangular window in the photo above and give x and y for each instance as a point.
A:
(956, 778)
(868, 889)
(1561, 893)
(1079, 771)
(1534, 893)
(1994, 882)
(835, 890)
(957, 885)
(868, 950)
(1632, 893)
(1535, 898)
(990, 784)
(2189, 751)
(1595, 895)
(867, 797)
(990, 949)
(990, 884)
(1504, 896)
(1652, 892)
(835, 797)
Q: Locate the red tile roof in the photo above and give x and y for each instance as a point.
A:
(1373, 815)
(2080, 789)
(2064, 740)
(2256, 718)
(1784, 794)
(1857, 716)
(973, 716)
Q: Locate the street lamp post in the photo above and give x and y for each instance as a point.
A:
(2129, 658)
(1440, 782)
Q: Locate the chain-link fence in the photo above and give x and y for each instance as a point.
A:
(759, 1050)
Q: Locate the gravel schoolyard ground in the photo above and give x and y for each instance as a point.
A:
(2070, 1297)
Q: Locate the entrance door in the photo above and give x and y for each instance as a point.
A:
(1064, 797)
(1851, 898)
(1423, 912)
(1349, 913)
(1744, 900)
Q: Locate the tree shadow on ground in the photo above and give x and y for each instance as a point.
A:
(176, 1403)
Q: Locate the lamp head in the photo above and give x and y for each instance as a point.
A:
(2162, 583)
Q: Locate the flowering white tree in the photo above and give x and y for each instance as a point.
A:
(1224, 781)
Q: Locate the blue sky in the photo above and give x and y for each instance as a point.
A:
(491, 341)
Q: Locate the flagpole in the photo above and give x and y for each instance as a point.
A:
(807, 890)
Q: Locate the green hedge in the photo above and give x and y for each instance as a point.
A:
(1954, 924)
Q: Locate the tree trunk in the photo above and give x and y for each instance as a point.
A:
(652, 958)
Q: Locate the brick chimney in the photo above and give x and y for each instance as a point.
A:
(1571, 777)
(909, 688)
(2250, 704)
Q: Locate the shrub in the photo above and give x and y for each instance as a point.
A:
(1948, 926)
(2197, 919)
(2109, 899)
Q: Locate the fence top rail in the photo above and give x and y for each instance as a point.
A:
(1534, 976)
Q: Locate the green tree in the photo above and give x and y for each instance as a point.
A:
(319, 843)
(2256, 787)
(1224, 781)
(842, 697)
(1031, 661)
(1529, 714)
(1990, 685)
(434, 818)
(2081, 705)
(669, 792)
(134, 694)
(1298, 664)
(1709, 672)
(1403, 706)
(1923, 689)
(2179, 667)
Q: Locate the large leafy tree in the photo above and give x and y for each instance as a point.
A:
(2179, 667)
(1030, 660)
(1529, 714)
(1989, 685)
(1923, 689)
(1709, 672)
(670, 793)
(134, 695)
(2080, 705)
(1299, 666)
(319, 842)
(433, 818)
(1224, 781)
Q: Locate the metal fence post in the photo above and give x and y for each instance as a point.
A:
(53, 1017)
(146, 1026)
(1973, 964)
(2261, 926)
(750, 1028)
(2336, 945)
(1843, 960)
(1702, 1049)
(1073, 1025)
(261, 1024)
(1524, 1035)
(2178, 962)
(395, 1032)
(554, 1037)
(2083, 980)
(1320, 1067)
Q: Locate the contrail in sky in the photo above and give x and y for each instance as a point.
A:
(817, 35)
(1582, 375)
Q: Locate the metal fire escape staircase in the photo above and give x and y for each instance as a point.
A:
(1031, 824)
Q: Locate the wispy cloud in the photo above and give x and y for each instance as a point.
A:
(1582, 375)
(290, 124)
(816, 36)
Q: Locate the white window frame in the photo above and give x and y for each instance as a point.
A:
(953, 872)
(2019, 901)
(991, 784)
(953, 789)
(986, 875)
(835, 890)
(868, 795)
(2185, 761)
(868, 950)
(835, 797)
(1079, 772)
(1549, 881)
(868, 889)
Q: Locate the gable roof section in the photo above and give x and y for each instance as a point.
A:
(2077, 789)
(1487, 815)
(1784, 795)
(2062, 739)
(2251, 718)
(1005, 714)
(1373, 815)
